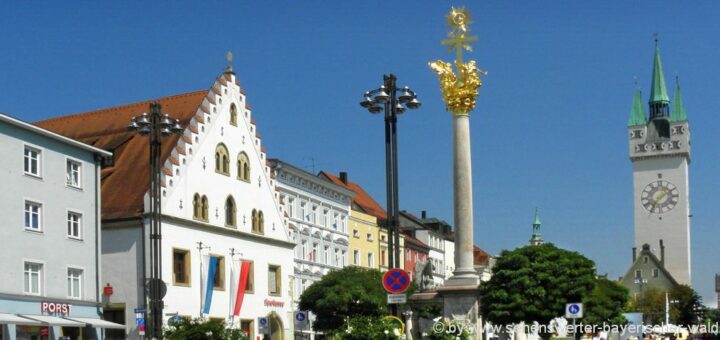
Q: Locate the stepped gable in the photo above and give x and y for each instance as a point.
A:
(125, 183)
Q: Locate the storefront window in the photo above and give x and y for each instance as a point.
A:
(247, 328)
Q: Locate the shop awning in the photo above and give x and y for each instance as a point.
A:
(54, 320)
(99, 323)
(17, 320)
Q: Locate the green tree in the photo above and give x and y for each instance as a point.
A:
(367, 327)
(533, 283)
(605, 303)
(349, 292)
(712, 315)
(201, 329)
(687, 308)
(651, 302)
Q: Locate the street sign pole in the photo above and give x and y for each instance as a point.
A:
(396, 281)
(574, 311)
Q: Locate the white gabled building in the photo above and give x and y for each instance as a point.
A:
(219, 210)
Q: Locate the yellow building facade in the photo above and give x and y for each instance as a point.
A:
(368, 242)
(364, 240)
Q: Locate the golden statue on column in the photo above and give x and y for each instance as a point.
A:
(459, 91)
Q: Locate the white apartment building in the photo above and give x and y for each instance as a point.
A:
(318, 212)
(49, 205)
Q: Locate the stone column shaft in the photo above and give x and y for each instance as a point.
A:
(464, 273)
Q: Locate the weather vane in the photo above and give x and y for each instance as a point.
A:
(459, 92)
(229, 57)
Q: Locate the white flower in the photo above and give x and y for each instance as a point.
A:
(396, 332)
(386, 331)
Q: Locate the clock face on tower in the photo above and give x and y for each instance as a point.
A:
(659, 197)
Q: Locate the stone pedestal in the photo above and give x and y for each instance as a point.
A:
(462, 303)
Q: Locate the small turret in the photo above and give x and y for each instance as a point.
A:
(678, 113)
(637, 112)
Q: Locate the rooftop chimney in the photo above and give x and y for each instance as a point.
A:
(634, 254)
(423, 214)
(343, 177)
(662, 253)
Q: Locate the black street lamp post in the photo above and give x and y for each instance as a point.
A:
(155, 125)
(393, 104)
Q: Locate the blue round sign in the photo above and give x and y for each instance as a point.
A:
(300, 316)
(574, 309)
(263, 321)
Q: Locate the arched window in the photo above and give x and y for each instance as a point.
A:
(243, 167)
(261, 222)
(204, 207)
(222, 160)
(233, 114)
(230, 212)
(197, 206)
(254, 220)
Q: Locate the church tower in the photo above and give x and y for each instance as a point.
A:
(536, 238)
(660, 153)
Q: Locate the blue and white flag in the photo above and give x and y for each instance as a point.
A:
(207, 280)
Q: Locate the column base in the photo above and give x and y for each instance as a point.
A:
(463, 278)
(462, 303)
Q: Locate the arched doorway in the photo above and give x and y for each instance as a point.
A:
(276, 327)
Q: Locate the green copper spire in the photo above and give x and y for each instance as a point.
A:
(536, 239)
(637, 112)
(658, 92)
(678, 113)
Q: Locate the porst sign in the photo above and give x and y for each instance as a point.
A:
(55, 308)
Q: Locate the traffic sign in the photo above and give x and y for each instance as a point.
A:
(396, 281)
(140, 320)
(263, 325)
(301, 319)
(574, 311)
(396, 298)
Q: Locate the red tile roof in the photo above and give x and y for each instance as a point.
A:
(124, 184)
(362, 199)
(480, 257)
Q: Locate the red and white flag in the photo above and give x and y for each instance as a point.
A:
(241, 270)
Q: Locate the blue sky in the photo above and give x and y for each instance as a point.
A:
(549, 129)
